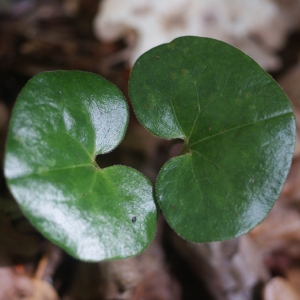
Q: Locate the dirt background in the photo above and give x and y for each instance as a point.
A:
(42, 35)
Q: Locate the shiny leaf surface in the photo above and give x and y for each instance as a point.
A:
(238, 131)
(60, 122)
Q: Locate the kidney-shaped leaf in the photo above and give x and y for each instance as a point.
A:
(60, 122)
(238, 131)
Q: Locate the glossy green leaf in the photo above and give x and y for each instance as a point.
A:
(60, 122)
(238, 131)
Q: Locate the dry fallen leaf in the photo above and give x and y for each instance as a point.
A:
(280, 231)
(17, 286)
(14, 286)
(230, 270)
(258, 27)
(280, 289)
(42, 291)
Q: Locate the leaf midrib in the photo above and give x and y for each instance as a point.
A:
(239, 127)
(52, 170)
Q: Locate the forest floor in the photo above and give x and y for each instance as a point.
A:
(264, 264)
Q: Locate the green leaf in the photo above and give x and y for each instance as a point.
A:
(60, 122)
(238, 131)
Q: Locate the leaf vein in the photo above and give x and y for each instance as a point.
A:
(197, 183)
(51, 170)
(205, 158)
(238, 127)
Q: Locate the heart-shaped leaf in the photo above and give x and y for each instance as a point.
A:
(60, 122)
(238, 131)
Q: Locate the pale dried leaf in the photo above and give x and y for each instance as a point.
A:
(279, 230)
(14, 286)
(256, 27)
(131, 278)
(42, 291)
(17, 286)
(231, 270)
(280, 289)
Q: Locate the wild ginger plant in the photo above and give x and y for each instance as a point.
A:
(236, 124)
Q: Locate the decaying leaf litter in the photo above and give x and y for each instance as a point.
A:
(43, 36)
